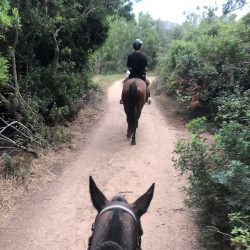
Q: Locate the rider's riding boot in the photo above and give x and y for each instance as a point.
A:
(149, 101)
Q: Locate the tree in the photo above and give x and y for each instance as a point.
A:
(232, 5)
(9, 19)
(113, 54)
(48, 45)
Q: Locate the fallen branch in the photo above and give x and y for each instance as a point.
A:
(30, 136)
(10, 152)
(22, 132)
(216, 230)
(16, 145)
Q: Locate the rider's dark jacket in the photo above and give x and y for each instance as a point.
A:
(137, 63)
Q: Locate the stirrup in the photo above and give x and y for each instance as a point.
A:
(149, 101)
(121, 101)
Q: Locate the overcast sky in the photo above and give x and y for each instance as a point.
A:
(172, 10)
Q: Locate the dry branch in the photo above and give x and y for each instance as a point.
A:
(23, 135)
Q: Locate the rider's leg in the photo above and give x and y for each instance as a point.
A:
(127, 77)
(148, 91)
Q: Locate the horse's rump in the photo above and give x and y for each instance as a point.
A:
(129, 88)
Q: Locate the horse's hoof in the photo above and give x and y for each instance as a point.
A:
(133, 143)
(128, 136)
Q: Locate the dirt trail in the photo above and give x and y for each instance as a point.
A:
(60, 215)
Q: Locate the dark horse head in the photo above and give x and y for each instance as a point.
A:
(117, 225)
(134, 97)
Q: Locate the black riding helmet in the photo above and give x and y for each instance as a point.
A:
(137, 44)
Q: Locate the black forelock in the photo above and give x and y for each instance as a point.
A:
(119, 198)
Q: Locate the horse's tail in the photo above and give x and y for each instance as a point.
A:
(132, 104)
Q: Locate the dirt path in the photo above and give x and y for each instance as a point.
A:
(60, 215)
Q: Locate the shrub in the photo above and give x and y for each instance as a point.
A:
(233, 107)
(207, 65)
(241, 231)
(219, 186)
(17, 167)
(234, 138)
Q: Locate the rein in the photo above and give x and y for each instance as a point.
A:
(125, 209)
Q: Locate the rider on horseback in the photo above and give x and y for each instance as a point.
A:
(137, 63)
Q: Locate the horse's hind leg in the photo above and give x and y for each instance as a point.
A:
(129, 132)
(133, 142)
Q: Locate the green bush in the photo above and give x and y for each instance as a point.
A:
(219, 186)
(240, 231)
(233, 107)
(234, 139)
(3, 70)
(207, 64)
(54, 102)
(206, 67)
(17, 167)
(57, 135)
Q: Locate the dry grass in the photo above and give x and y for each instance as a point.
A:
(14, 188)
(10, 191)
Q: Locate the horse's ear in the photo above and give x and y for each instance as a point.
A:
(141, 205)
(97, 197)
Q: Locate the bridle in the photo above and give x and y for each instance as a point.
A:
(125, 209)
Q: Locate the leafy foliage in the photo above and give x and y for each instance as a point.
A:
(240, 231)
(3, 70)
(17, 168)
(112, 56)
(207, 68)
(218, 185)
(46, 52)
(232, 5)
(209, 62)
(8, 16)
(45, 56)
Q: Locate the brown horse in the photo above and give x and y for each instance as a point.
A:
(134, 96)
(117, 225)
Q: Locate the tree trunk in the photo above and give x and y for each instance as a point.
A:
(55, 62)
(14, 71)
(13, 61)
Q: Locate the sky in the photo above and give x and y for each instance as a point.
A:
(172, 10)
